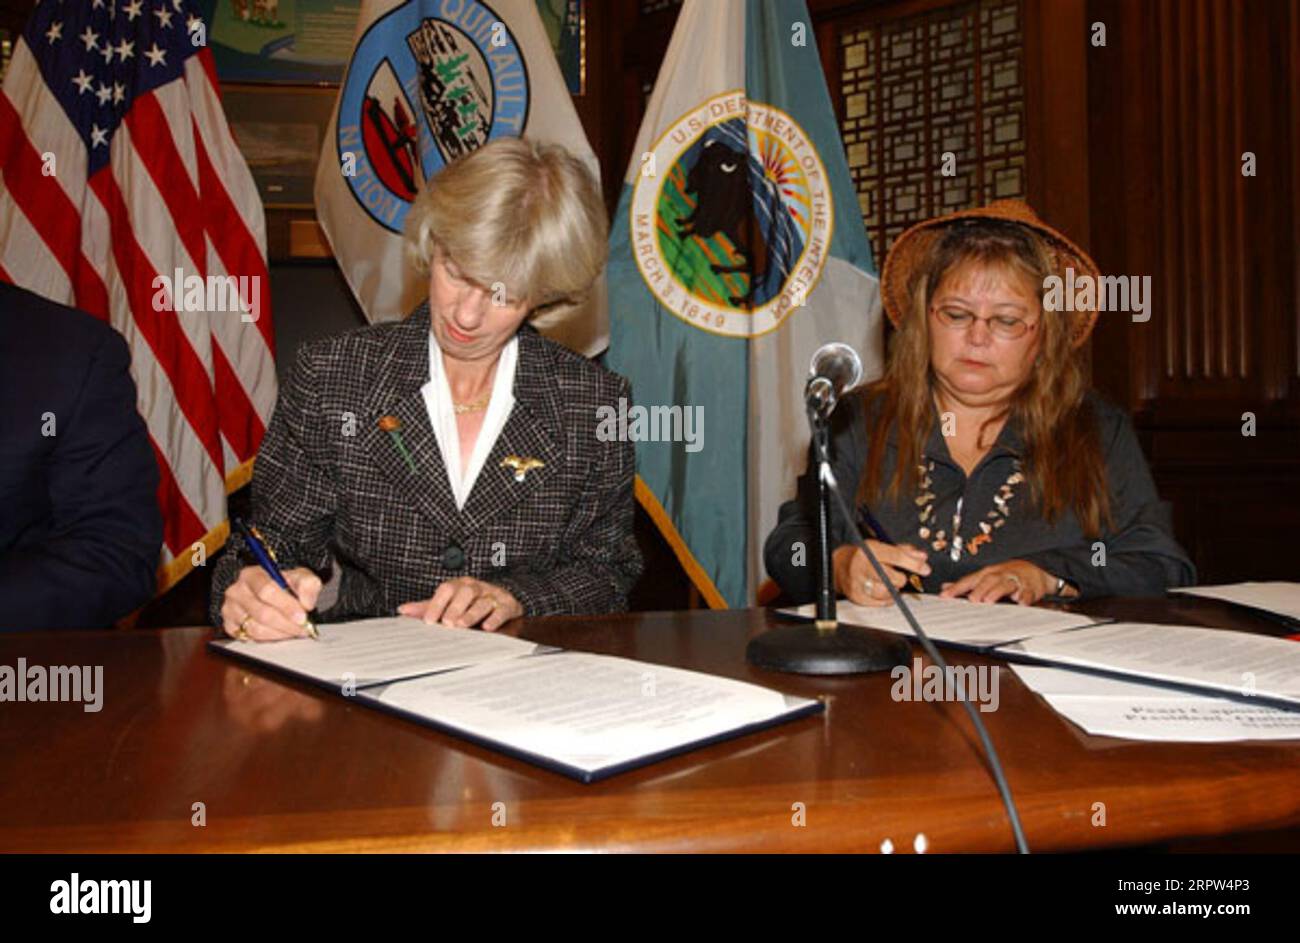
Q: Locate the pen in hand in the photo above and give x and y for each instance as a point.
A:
(265, 558)
(868, 520)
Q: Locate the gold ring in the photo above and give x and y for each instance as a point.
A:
(1015, 579)
(869, 586)
(242, 632)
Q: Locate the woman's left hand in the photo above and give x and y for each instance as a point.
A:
(1022, 581)
(465, 602)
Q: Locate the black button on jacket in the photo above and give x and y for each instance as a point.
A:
(453, 558)
(1138, 557)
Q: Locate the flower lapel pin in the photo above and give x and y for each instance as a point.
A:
(393, 426)
(521, 465)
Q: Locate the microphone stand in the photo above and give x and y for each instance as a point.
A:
(825, 647)
(825, 579)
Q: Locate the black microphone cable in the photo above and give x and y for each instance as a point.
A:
(994, 763)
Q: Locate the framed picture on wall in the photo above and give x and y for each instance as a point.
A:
(280, 130)
(282, 41)
(566, 26)
(310, 41)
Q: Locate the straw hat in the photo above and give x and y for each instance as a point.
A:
(911, 250)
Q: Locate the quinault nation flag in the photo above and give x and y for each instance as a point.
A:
(430, 81)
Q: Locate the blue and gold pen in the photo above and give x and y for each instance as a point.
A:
(265, 558)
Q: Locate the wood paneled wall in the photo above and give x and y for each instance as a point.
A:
(1181, 91)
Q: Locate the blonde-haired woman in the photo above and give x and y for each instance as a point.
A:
(988, 466)
(447, 466)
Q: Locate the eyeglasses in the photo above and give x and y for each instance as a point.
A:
(1002, 326)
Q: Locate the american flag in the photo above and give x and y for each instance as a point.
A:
(117, 166)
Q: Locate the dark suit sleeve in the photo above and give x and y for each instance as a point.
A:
(600, 560)
(1141, 556)
(99, 560)
(295, 493)
(790, 551)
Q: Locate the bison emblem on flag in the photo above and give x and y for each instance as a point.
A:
(731, 217)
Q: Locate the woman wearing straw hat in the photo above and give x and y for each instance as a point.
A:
(982, 457)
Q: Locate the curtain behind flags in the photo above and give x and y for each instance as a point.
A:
(118, 170)
(737, 250)
(430, 81)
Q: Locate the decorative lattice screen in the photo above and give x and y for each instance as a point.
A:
(946, 81)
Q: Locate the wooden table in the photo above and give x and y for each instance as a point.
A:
(282, 766)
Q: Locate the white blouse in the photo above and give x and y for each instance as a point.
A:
(442, 416)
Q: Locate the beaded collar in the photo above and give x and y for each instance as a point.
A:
(938, 539)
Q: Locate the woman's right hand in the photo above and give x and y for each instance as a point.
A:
(856, 578)
(265, 611)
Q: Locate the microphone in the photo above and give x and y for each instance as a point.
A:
(835, 369)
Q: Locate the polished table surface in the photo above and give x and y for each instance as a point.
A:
(279, 765)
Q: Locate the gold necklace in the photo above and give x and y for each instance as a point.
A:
(478, 404)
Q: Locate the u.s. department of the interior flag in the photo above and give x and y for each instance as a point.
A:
(737, 250)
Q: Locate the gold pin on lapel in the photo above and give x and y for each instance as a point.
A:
(521, 466)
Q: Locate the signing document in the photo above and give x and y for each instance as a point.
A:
(1133, 710)
(587, 716)
(373, 651)
(1233, 662)
(957, 621)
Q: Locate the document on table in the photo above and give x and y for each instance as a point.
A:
(1132, 710)
(589, 715)
(373, 651)
(958, 621)
(1281, 599)
(1216, 659)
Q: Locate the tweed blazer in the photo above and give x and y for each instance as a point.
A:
(335, 482)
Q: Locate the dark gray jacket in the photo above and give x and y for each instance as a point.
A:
(998, 521)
